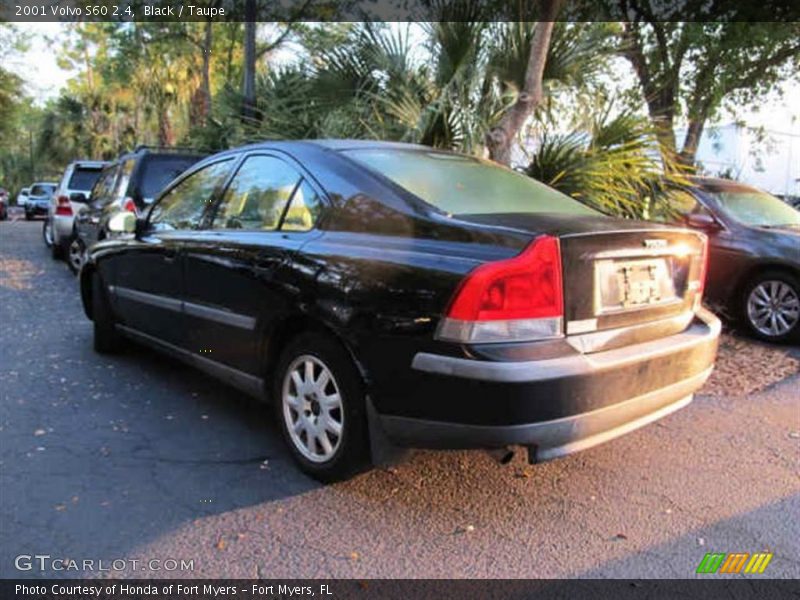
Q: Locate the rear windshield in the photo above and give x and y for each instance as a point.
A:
(158, 171)
(42, 189)
(464, 185)
(84, 178)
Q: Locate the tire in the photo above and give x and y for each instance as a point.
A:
(57, 251)
(28, 216)
(106, 338)
(770, 306)
(75, 254)
(347, 452)
(47, 232)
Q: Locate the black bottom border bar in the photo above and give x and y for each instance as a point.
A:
(400, 589)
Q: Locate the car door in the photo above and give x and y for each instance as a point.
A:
(235, 289)
(148, 288)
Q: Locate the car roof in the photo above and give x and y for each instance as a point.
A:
(89, 163)
(716, 184)
(45, 183)
(329, 144)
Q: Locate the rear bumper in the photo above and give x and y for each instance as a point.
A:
(561, 405)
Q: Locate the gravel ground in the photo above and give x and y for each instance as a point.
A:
(137, 456)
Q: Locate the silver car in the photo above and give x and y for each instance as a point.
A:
(69, 199)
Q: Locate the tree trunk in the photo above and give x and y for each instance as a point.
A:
(692, 140)
(166, 136)
(207, 42)
(500, 138)
(249, 85)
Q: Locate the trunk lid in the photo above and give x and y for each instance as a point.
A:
(617, 273)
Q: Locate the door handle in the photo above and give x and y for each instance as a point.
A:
(170, 255)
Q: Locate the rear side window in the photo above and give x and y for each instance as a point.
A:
(184, 205)
(159, 170)
(304, 209)
(257, 195)
(464, 185)
(83, 179)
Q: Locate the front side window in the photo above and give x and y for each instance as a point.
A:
(465, 185)
(257, 195)
(184, 205)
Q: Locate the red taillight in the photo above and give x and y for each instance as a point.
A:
(129, 205)
(63, 206)
(516, 299)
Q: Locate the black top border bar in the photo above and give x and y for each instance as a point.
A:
(394, 10)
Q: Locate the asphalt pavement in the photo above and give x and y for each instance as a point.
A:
(137, 457)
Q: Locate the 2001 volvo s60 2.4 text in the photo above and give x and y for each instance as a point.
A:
(389, 295)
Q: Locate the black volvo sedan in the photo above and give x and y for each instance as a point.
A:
(387, 295)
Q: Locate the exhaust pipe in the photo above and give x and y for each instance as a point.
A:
(502, 455)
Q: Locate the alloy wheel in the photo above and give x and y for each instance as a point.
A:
(47, 233)
(312, 409)
(76, 255)
(773, 308)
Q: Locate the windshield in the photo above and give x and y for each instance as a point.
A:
(43, 189)
(158, 171)
(84, 178)
(463, 185)
(755, 208)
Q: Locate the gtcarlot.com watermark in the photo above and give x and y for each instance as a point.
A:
(45, 563)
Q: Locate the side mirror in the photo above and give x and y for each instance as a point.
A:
(78, 197)
(703, 221)
(122, 222)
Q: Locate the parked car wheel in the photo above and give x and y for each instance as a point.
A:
(106, 338)
(28, 216)
(771, 306)
(75, 254)
(319, 402)
(47, 233)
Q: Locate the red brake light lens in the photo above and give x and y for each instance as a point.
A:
(517, 299)
(63, 206)
(527, 286)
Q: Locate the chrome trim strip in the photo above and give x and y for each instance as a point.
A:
(655, 231)
(190, 308)
(554, 438)
(245, 382)
(644, 252)
(146, 298)
(567, 366)
(220, 316)
(590, 342)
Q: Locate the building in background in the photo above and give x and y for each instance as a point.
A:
(767, 158)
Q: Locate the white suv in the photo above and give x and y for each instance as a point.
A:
(70, 198)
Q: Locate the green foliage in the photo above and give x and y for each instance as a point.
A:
(612, 164)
